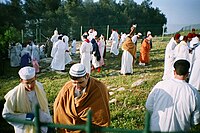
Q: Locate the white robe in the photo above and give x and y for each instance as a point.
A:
(58, 62)
(174, 105)
(181, 51)
(68, 58)
(169, 60)
(53, 39)
(14, 57)
(195, 70)
(85, 52)
(114, 47)
(35, 53)
(73, 47)
(126, 63)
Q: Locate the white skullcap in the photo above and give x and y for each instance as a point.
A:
(194, 40)
(56, 32)
(181, 38)
(27, 73)
(148, 33)
(139, 34)
(77, 70)
(134, 25)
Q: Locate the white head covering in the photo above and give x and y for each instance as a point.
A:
(139, 34)
(56, 32)
(148, 33)
(181, 38)
(194, 40)
(27, 73)
(77, 70)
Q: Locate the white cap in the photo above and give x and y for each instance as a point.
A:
(139, 34)
(181, 38)
(27, 73)
(148, 33)
(194, 40)
(77, 70)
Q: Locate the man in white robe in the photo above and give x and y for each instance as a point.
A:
(169, 57)
(115, 41)
(174, 104)
(181, 51)
(21, 101)
(73, 47)
(68, 58)
(58, 62)
(54, 39)
(14, 57)
(195, 69)
(85, 53)
(129, 54)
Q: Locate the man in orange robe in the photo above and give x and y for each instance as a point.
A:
(79, 95)
(145, 51)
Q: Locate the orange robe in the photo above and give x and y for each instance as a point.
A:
(145, 51)
(69, 111)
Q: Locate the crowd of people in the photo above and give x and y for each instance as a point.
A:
(174, 102)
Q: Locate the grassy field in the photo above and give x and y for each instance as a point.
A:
(128, 93)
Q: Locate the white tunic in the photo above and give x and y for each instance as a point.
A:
(54, 39)
(174, 106)
(73, 47)
(58, 62)
(68, 58)
(169, 59)
(195, 70)
(14, 57)
(114, 47)
(85, 52)
(127, 63)
(181, 51)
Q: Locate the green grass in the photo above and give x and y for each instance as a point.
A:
(128, 111)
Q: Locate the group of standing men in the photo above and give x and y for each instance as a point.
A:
(174, 104)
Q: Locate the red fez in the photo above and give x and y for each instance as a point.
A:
(190, 35)
(177, 36)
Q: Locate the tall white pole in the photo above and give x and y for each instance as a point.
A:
(22, 33)
(163, 31)
(107, 32)
(81, 30)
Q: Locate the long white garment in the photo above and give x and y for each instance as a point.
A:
(169, 59)
(195, 70)
(181, 51)
(68, 58)
(127, 63)
(35, 53)
(11, 98)
(114, 47)
(14, 58)
(73, 47)
(85, 52)
(174, 106)
(58, 62)
(54, 39)
(101, 44)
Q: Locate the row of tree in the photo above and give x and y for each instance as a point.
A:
(69, 15)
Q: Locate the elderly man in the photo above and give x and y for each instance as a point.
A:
(174, 104)
(79, 95)
(20, 102)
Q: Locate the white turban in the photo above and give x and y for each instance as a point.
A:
(77, 70)
(27, 73)
(194, 40)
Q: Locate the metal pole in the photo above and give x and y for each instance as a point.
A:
(22, 33)
(37, 119)
(88, 127)
(147, 122)
(81, 30)
(163, 31)
(107, 32)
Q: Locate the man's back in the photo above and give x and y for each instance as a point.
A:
(174, 105)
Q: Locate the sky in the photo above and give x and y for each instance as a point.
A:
(179, 13)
